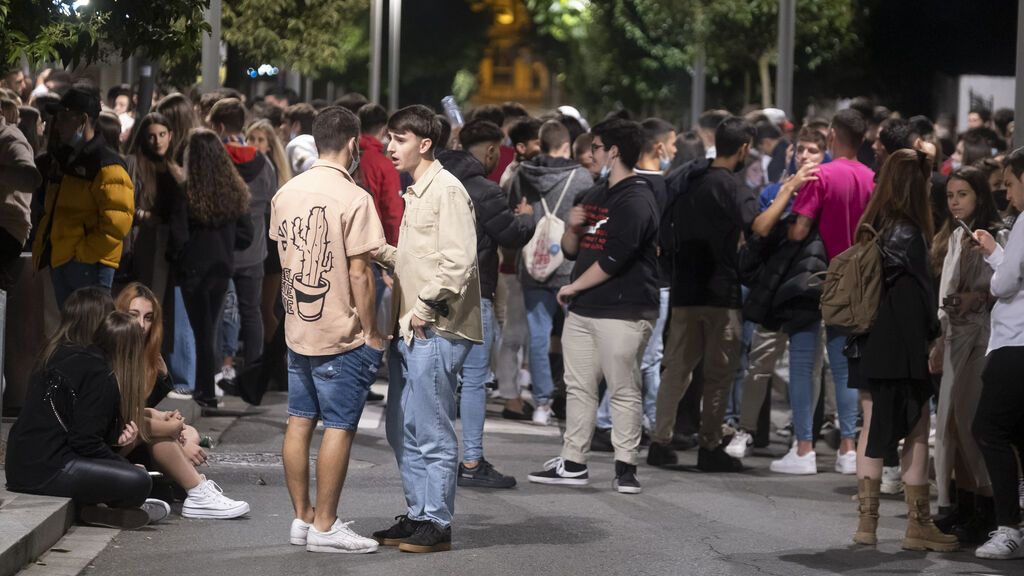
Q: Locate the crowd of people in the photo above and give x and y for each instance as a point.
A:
(657, 290)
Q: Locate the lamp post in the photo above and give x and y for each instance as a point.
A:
(211, 48)
(395, 34)
(787, 45)
(376, 34)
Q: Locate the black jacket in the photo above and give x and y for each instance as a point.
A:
(708, 219)
(38, 447)
(197, 251)
(496, 224)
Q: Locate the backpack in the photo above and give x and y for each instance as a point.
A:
(852, 290)
(542, 255)
(678, 184)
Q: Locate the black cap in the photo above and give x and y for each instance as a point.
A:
(81, 99)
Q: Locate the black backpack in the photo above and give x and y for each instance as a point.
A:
(677, 183)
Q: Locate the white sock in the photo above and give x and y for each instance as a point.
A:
(197, 490)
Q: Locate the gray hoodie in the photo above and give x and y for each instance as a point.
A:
(545, 177)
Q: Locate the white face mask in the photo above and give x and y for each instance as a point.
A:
(664, 163)
(354, 163)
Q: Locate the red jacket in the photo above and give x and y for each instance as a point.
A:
(381, 179)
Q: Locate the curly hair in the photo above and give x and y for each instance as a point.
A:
(216, 192)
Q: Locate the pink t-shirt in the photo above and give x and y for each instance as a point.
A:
(836, 201)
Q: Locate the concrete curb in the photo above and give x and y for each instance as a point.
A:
(29, 526)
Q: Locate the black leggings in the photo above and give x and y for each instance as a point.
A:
(99, 481)
(999, 427)
(203, 302)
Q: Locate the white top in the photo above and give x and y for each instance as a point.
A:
(301, 153)
(1008, 287)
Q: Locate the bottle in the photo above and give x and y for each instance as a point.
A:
(451, 108)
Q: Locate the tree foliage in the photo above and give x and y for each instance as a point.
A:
(639, 53)
(310, 37)
(70, 33)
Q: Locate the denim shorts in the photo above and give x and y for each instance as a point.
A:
(332, 388)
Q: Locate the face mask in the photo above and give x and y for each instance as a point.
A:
(1002, 200)
(353, 165)
(664, 163)
(606, 170)
(956, 165)
(77, 137)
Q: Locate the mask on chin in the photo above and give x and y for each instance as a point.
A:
(353, 164)
(664, 163)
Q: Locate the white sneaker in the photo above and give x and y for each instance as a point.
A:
(299, 532)
(156, 509)
(542, 415)
(791, 463)
(847, 463)
(523, 379)
(892, 480)
(741, 445)
(1005, 543)
(209, 501)
(340, 539)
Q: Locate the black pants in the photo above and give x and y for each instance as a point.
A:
(999, 427)
(249, 289)
(10, 254)
(203, 302)
(99, 481)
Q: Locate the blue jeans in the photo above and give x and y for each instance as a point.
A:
(732, 413)
(803, 350)
(332, 388)
(73, 275)
(476, 373)
(421, 422)
(541, 307)
(650, 370)
(182, 363)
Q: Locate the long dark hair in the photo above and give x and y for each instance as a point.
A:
(901, 193)
(140, 148)
(120, 337)
(216, 193)
(83, 312)
(985, 216)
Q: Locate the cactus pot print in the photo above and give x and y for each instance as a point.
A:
(310, 299)
(309, 288)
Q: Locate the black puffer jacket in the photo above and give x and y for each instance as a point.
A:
(784, 294)
(496, 224)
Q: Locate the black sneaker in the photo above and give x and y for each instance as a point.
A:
(684, 442)
(555, 473)
(625, 478)
(483, 476)
(661, 455)
(602, 440)
(429, 537)
(398, 532)
(122, 518)
(717, 461)
(372, 396)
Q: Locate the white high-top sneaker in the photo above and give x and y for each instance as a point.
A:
(208, 501)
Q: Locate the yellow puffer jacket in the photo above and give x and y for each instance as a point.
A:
(88, 210)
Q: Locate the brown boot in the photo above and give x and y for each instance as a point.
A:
(867, 494)
(921, 532)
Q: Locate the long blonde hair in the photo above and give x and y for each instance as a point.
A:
(155, 335)
(216, 192)
(121, 339)
(83, 312)
(276, 154)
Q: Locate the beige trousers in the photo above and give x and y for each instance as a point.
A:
(594, 348)
(695, 333)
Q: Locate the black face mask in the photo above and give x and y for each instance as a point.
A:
(151, 154)
(1001, 199)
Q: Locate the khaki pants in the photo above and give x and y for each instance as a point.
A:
(596, 347)
(695, 333)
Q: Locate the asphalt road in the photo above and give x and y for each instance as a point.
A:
(685, 522)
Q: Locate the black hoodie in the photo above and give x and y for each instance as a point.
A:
(621, 237)
(496, 224)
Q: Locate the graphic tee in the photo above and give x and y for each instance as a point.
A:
(319, 220)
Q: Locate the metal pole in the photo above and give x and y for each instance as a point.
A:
(376, 35)
(395, 33)
(1018, 135)
(698, 88)
(211, 48)
(309, 89)
(787, 45)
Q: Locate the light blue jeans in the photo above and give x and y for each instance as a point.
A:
(650, 370)
(803, 351)
(230, 325)
(182, 364)
(420, 416)
(476, 373)
(541, 307)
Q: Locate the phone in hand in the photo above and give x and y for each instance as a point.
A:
(967, 229)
